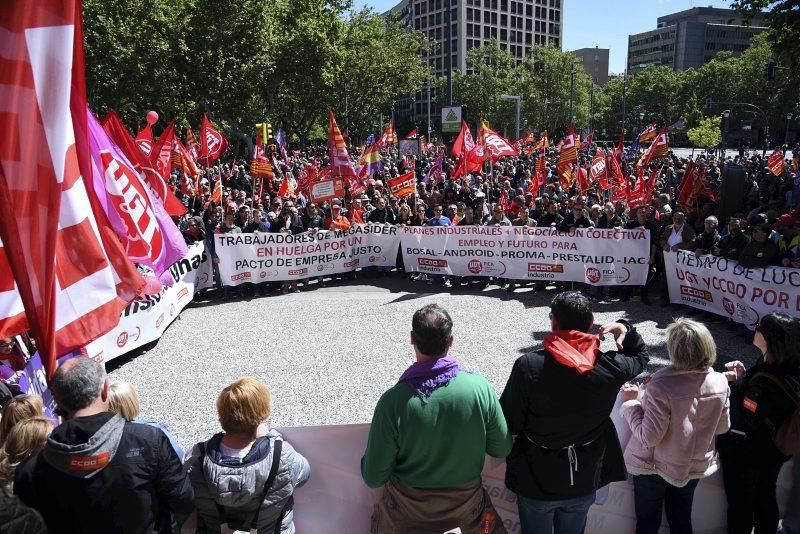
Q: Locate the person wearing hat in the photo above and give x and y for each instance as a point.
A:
(790, 238)
(337, 221)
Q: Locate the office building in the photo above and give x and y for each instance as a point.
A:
(690, 38)
(516, 24)
(595, 62)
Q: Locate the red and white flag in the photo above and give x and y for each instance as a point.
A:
(212, 143)
(191, 143)
(71, 272)
(341, 165)
(599, 169)
(142, 164)
(776, 163)
(494, 145)
(145, 140)
(659, 149)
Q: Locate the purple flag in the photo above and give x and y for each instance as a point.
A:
(434, 172)
(136, 214)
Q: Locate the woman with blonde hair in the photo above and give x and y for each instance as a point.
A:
(25, 439)
(123, 399)
(20, 408)
(674, 422)
(245, 476)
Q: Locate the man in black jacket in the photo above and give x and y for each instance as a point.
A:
(557, 402)
(99, 473)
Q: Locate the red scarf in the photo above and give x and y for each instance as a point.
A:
(573, 349)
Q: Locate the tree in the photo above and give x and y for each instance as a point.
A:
(783, 20)
(706, 134)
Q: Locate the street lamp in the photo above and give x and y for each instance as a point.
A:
(571, 91)
(786, 137)
(725, 115)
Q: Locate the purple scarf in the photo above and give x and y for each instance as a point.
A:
(424, 377)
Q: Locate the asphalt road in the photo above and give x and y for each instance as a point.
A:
(328, 354)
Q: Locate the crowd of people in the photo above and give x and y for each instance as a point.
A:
(764, 230)
(103, 468)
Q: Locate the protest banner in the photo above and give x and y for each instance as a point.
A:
(335, 500)
(145, 320)
(327, 189)
(593, 256)
(724, 287)
(255, 258)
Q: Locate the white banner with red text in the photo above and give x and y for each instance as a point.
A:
(335, 500)
(724, 287)
(146, 320)
(592, 256)
(268, 257)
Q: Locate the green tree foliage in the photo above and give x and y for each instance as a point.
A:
(248, 61)
(542, 80)
(706, 134)
(783, 19)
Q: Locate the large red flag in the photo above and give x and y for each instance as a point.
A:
(161, 156)
(212, 143)
(458, 144)
(70, 270)
(658, 149)
(540, 174)
(619, 182)
(567, 158)
(145, 141)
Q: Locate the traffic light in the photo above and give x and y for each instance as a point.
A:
(770, 70)
(269, 132)
(261, 129)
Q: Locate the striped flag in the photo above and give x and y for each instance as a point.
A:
(776, 163)
(69, 268)
(341, 164)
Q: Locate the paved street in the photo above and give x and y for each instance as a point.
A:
(328, 354)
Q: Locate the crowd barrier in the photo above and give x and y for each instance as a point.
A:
(336, 501)
(146, 320)
(724, 287)
(588, 255)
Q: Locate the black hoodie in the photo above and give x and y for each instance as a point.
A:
(101, 474)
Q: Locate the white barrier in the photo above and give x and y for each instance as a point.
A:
(724, 287)
(145, 321)
(254, 258)
(336, 501)
(589, 255)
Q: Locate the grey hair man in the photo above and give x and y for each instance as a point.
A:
(99, 473)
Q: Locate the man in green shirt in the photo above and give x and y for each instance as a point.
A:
(429, 437)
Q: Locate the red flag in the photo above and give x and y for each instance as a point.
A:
(71, 272)
(212, 143)
(776, 163)
(403, 185)
(161, 156)
(341, 165)
(463, 135)
(583, 179)
(413, 134)
(216, 195)
(286, 188)
(636, 195)
(540, 174)
(260, 166)
(192, 144)
(494, 146)
(141, 162)
(144, 140)
(587, 143)
(599, 169)
(182, 159)
(619, 187)
(567, 158)
(686, 189)
(649, 133)
(658, 149)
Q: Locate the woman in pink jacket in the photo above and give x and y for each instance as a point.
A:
(673, 424)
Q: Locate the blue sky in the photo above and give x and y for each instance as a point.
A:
(603, 23)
